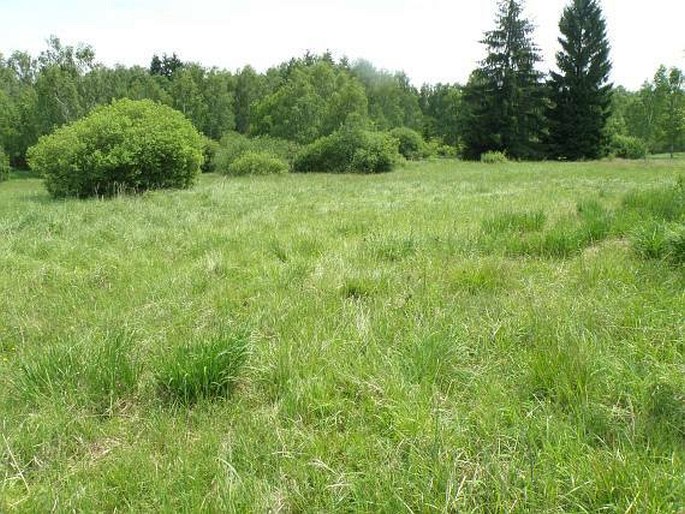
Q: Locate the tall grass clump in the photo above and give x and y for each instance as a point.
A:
(207, 368)
(667, 204)
(509, 221)
(649, 240)
(596, 221)
(92, 374)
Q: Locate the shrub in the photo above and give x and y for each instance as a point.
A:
(209, 151)
(234, 145)
(254, 163)
(206, 369)
(627, 147)
(126, 146)
(435, 147)
(4, 165)
(351, 149)
(493, 158)
(411, 145)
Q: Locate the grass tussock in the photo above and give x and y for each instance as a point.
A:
(203, 369)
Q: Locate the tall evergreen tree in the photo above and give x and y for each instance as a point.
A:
(580, 93)
(504, 96)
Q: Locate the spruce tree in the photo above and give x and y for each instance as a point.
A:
(504, 96)
(580, 93)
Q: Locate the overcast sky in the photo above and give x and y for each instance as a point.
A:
(431, 40)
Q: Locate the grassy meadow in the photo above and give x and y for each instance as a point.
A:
(450, 337)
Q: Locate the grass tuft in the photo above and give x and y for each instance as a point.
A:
(208, 368)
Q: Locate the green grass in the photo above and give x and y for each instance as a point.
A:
(446, 338)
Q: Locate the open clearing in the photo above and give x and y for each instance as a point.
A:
(451, 337)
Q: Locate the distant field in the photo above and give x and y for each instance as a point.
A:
(450, 337)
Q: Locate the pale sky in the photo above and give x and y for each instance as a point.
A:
(431, 40)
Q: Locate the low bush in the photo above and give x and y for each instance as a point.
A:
(628, 147)
(234, 145)
(205, 369)
(4, 165)
(125, 146)
(493, 158)
(436, 148)
(411, 145)
(351, 149)
(255, 163)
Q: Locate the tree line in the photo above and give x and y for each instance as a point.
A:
(508, 105)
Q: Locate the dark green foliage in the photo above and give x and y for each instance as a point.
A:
(209, 151)
(411, 145)
(392, 100)
(165, 66)
(205, 369)
(350, 149)
(442, 107)
(313, 98)
(670, 91)
(4, 165)
(627, 147)
(254, 163)
(580, 93)
(126, 146)
(504, 98)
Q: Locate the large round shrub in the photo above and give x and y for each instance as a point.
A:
(349, 150)
(4, 165)
(412, 146)
(126, 146)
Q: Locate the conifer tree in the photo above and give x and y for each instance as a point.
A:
(504, 96)
(580, 93)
